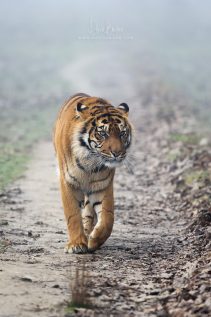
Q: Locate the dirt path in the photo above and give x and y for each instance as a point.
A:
(144, 264)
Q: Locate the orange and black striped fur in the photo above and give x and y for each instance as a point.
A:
(91, 139)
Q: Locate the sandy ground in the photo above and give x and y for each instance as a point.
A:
(145, 266)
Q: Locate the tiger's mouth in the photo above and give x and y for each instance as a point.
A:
(112, 161)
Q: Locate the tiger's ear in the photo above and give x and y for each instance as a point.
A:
(80, 107)
(124, 108)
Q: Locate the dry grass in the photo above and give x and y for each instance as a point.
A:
(79, 289)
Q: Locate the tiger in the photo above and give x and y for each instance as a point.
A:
(91, 138)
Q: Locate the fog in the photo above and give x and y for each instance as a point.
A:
(176, 34)
(159, 24)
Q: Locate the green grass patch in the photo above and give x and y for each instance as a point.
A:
(4, 245)
(199, 176)
(199, 200)
(19, 131)
(174, 155)
(31, 90)
(11, 167)
(71, 307)
(185, 138)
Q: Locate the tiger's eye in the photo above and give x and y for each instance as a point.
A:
(102, 133)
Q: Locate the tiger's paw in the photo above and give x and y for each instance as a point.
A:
(76, 248)
(93, 244)
(97, 237)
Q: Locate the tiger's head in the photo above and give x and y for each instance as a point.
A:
(105, 133)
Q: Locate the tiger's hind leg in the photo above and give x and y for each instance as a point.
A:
(89, 217)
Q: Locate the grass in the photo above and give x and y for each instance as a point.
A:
(199, 176)
(11, 167)
(20, 129)
(32, 90)
(178, 152)
(187, 69)
(31, 77)
(200, 200)
(28, 107)
(173, 155)
(190, 138)
(3, 245)
(79, 290)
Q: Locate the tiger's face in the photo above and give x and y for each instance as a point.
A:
(106, 133)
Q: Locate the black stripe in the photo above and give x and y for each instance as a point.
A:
(98, 100)
(99, 169)
(128, 145)
(96, 191)
(79, 164)
(103, 115)
(100, 109)
(83, 143)
(102, 179)
(107, 114)
(117, 116)
(97, 107)
(83, 130)
(97, 203)
(95, 112)
(86, 203)
(73, 178)
(102, 101)
(94, 123)
(81, 203)
(114, 112)
(99, 190)
(91, 129)
(86, 124)
(89, 140)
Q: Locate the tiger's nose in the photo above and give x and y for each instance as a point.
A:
(116, 153)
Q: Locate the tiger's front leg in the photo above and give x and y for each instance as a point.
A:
(71, 198)
(88, 217)
(104, 208)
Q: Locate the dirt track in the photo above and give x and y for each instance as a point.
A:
(147, 261)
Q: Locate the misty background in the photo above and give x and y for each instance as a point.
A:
(40, 36)
(45, 45)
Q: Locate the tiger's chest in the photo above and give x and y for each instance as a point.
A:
(88, 181)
